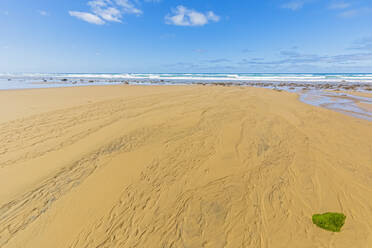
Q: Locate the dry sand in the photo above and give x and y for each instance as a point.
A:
(179, 166)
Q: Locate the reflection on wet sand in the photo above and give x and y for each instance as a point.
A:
(347, 103)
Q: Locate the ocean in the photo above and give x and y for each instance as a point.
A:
(44, 80)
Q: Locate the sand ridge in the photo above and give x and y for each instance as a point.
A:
(181, 166)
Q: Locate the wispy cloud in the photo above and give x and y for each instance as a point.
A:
(362, 44)
(192, 67)
(128, 7)
(88, 17)
(355, 12)
(217, 61)
(102, 11)
(339, 5)
(294, 5)
(43, 13)
(349, 13)
(186, 65)
(199, 51)
(290, 57)
(182, 16)
(353, 58)
(288, 60)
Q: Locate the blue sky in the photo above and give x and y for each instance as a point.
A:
(186, 36)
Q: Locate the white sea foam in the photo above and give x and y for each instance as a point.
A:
(192, 77)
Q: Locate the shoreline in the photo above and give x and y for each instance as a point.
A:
(322, 95)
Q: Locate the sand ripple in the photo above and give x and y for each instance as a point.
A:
(185, 167)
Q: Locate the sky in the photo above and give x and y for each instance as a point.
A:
(170, 36)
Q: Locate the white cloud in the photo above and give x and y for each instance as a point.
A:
(128, 7)
(182, 16)
(101, 9)
(43, 13)
(107, 11)
(88, 17)
(213, 17)
(98, 3)
(110, 14)
(339, 5)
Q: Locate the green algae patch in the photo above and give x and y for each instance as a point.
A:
(329, 221)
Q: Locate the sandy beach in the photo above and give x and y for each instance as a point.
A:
(179, 166)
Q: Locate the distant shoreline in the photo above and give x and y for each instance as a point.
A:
(354, 100)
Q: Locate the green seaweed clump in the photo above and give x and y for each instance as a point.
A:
(329, 221)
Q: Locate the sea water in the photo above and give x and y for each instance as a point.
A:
(42, 80)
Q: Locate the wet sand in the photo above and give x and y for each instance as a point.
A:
(365, 106)
(357, 93)
(179, 166)
(353, 103)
